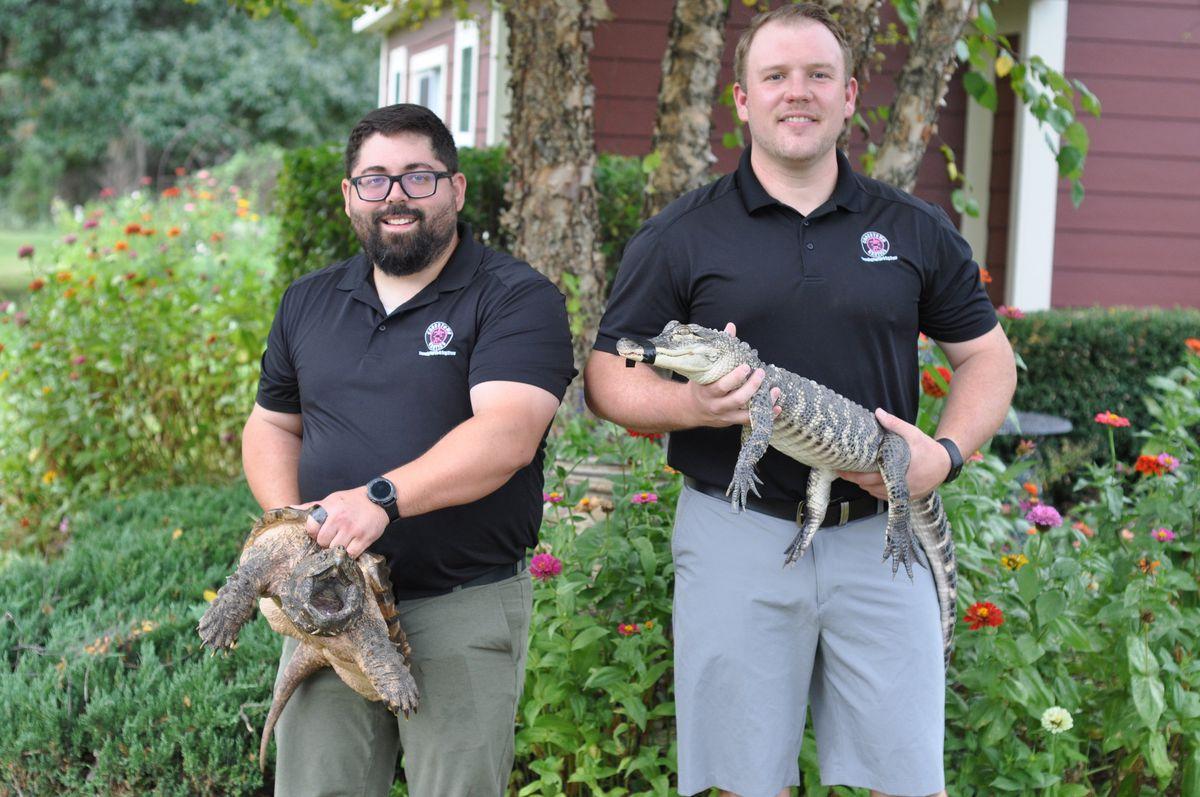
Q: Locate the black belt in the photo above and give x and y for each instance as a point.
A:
(839, 513)
(497, 573)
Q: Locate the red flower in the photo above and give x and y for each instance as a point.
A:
(983, 613)
(1150, 465)
(647, 435)
(627, 629)
(1193, 344)
(171, 192)
(984, 276)
(106, 193)
(37, 285)
(930, 384)
(133, 229)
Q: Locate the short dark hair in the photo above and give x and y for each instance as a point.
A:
(404, 118)
(792, 13)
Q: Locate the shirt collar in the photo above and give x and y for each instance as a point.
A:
(457, 273)
(847, 193)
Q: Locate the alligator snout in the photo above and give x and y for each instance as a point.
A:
(636, 351)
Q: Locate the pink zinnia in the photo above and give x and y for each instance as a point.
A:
(545, 566)
(1009, 312)
(552, 498)
(1044, 517)
(91, 224)
(1168, 461)
(1163, 534)
(80, 360)
(1110, 418)
(627, 629)
(25, 251)
(644, 498)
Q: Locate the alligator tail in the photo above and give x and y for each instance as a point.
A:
(932, 530)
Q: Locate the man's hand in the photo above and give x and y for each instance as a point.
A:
(726, 402)
(928, 467)
(353, 521)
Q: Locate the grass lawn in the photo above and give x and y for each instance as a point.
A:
(14, 273)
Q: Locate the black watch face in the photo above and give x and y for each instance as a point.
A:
(381, 490)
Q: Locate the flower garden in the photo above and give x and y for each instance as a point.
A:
(127, 366)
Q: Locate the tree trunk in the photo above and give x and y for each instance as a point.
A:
(690, 65)
(860, 20)
(551, 192)
(920, 88)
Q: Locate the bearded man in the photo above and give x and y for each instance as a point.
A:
(408, 391)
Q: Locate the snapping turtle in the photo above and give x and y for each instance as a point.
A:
(341, 610)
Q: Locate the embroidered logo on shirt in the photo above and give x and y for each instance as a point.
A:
(437, 337)
(875, 247)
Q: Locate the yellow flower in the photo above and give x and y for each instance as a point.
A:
(243, 203)
(47, 390)
(209, 595)
(669, 470)
(176, 534)
(49, 476)
(254, 217)
(147, 626)
(187, 702)
(3, 375)
(1014, 561)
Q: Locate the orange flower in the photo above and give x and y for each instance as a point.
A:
(984, 276)
(1148, 567)
(180, 171)
(1084, 529)
(63, 276)
(217, 237)
(1030, 488)
(37, 285)
(930, 384)
(983, 613)
(171, 192)
(133, 229)
(1193, 344)
(120, 246)
(173, 232)
(148, 231)
(69, 293)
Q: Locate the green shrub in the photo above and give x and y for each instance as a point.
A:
(133, 357)
(1081, 362)
(314, 231)
(106, 689)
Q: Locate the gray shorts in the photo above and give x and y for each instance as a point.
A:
(756, 644)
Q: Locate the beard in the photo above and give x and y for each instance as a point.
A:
(408, 252)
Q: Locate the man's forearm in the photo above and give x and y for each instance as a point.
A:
(271, 460)
(473, 460)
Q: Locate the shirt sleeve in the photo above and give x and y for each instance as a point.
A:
(647, 293)
(278, 388)
(525, 337)
(954, 306)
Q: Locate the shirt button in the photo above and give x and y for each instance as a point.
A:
(806, 222)
(808, 246)
(382, 327)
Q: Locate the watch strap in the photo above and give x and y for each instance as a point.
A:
(956, 459)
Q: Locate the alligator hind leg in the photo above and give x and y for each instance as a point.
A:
(898, 542)
(815, 504)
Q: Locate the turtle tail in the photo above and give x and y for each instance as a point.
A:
(304, 662)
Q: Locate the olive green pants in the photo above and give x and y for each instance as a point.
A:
(468, 659)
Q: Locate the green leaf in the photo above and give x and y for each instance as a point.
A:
(731, 140)
(1147, 694)
(651, 162)
(636, 710)
(1069, 161)
(1157, 757)
(1050, 604)
(1087, 99)
(985, 21)
(1190, 787)
(1076, 192)
(1077, 136)
(1073, 790)
(604, 677)
(1029, 649)
(1028, 583)
(588, 636)
(1141, 659)
(646, 554)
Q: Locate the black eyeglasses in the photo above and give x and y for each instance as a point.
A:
(415, 185)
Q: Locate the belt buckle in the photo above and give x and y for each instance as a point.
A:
(800, 514)
(844, 517)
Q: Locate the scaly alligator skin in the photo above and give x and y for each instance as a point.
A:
(821, 429)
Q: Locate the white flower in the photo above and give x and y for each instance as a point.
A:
(1057, 719)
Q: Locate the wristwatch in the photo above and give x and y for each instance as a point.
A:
(956, 460)
(383, 493)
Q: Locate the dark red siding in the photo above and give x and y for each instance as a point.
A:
(1133, 239)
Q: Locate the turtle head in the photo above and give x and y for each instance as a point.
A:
(324, 593)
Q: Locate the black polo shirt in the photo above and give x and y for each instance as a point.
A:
(376, 391)
(837, 296)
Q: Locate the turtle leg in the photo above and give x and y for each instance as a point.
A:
(381, 661)
(234, 605)
(304, 662)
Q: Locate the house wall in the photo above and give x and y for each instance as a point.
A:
(1134, 239)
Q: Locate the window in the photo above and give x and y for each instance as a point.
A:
(426, 85)
(466, 82)
(397, 67)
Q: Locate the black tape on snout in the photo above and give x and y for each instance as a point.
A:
(648, 353)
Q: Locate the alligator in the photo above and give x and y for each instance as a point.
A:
(340, 609)
(824, 430)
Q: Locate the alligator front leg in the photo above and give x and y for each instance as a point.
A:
(898, 540)
(754, 444)
(815, 503)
